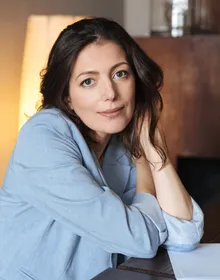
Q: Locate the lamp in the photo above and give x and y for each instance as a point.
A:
(42, 31)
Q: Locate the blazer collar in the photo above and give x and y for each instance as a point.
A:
(116, 166)
(116, 153)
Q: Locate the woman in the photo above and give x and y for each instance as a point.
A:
(89, 177)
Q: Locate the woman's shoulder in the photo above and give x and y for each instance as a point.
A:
(48, 116)
(51, 119)
(50, 124)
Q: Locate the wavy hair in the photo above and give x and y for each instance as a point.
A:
(148, 79)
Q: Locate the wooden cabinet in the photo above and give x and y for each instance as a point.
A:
(191, 92)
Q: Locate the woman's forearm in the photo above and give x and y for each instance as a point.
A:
(145, 181)
(170, 192)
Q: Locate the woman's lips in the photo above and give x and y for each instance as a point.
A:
(112, 112)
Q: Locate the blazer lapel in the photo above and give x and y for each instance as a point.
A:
(116, 166)
(88, 157)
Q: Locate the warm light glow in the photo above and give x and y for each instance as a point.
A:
(42, 31)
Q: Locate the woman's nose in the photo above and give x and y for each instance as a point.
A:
(110, 91)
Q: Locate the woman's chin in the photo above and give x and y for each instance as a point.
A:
(112, 129)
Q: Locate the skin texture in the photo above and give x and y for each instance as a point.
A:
(102, 80)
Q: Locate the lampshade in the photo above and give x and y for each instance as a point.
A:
(42, 31)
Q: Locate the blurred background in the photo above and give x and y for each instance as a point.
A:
(183, 36)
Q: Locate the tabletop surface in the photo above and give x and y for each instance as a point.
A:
(159, 265)
(158, 268)
(118, 274)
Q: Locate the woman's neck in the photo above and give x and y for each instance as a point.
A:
(100, 146)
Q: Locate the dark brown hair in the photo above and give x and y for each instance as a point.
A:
(148, 78)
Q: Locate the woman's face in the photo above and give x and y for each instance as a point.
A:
(102, 88)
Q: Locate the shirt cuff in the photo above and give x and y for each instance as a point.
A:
(184, 235)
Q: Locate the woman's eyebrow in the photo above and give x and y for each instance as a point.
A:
(118, 64)
(87, 72)
(96, 72)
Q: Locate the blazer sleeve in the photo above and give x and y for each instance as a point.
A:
(47, 172)
(184, 235)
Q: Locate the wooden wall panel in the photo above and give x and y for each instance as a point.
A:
(213, 10)
(191, 92)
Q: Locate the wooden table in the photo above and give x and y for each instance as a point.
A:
(118, 274)
(158, 268)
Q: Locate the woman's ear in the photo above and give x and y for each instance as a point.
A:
(69, 102)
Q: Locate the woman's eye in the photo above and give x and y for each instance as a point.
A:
(88, 82)
(120, 75)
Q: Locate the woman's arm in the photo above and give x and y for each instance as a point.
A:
(144, 176)
(183, 217)
(170, 192)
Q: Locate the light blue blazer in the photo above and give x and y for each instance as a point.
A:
(62, 217)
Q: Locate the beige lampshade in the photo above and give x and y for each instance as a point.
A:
(42, 31)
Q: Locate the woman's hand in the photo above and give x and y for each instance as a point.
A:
(150, 152)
